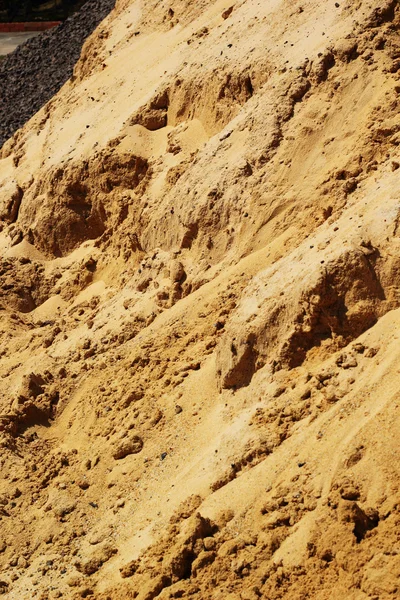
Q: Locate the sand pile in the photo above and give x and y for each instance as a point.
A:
(200, 303)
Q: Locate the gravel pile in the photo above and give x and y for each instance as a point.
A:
(37, 69)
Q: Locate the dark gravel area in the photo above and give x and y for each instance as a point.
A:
(37, 69)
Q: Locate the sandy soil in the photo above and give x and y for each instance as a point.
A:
(201, 310)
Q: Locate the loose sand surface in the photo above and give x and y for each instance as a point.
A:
(200, 310)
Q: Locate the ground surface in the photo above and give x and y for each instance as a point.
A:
(201, 310)
(9, 41)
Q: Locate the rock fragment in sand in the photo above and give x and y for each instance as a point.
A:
(129, 569)
(82, 483)
(177, 271)
(129, 446)
(90, 564)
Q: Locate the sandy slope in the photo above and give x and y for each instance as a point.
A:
(200, 301)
